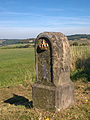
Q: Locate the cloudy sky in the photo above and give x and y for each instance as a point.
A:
(27, 18)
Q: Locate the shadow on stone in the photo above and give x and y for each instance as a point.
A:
(39, 50)
(19, 100)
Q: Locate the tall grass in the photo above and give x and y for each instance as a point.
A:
(80, 62)
(78, 52)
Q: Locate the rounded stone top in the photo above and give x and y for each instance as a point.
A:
(50, 35)
(54, 37)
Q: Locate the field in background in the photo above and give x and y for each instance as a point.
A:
(17, 72)
(16, 66)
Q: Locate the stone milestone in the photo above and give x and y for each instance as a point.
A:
(53, 89)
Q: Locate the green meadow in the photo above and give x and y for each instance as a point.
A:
(16, 66)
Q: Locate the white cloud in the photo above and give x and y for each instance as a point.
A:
(33, 24)
(46, 21)
(33, 32)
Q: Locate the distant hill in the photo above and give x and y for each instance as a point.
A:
(78, 37)
(16, 41)
(79, 40)
(82, 38)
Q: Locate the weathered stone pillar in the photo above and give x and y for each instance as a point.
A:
(53, 89)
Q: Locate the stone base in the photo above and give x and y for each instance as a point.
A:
(52, 98)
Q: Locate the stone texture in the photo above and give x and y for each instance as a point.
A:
(44, 97)
(52, 72)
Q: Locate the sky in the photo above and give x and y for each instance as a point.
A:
(28, 18)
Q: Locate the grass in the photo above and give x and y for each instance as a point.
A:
(16, 66)
(78, 52)
(17, 73)
(80, 63)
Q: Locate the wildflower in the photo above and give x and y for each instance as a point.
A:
(47, 119)
(86, 100)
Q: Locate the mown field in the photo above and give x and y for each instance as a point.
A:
(17, 74)
(16, 66)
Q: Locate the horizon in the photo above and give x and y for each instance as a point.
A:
(26, 19)
(35, 37)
